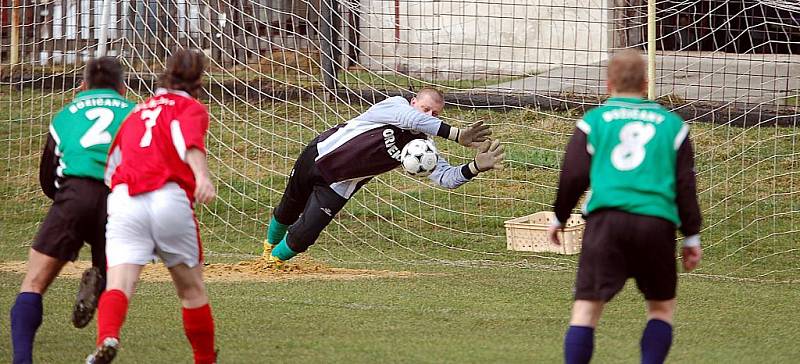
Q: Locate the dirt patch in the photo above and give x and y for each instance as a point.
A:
(256, 270)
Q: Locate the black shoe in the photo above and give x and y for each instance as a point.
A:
(92, 285)
(105, 353)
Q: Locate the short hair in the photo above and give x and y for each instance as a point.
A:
(627, 71)
(184, 71)
(103, 72)
(431, 92)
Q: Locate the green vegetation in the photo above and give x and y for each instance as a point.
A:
(369, 80)
(793, 100)
(487, 304)
(503, 315)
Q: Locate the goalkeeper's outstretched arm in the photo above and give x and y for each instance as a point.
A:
(398, 112)
(490, 156)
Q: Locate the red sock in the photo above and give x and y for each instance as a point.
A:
(111, 313)
(199, 327)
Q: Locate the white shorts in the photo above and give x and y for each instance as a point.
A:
(159, 223)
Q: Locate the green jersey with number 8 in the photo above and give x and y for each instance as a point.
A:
(84, 129)
(634, 144)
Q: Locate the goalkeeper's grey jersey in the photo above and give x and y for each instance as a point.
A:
(370, 144)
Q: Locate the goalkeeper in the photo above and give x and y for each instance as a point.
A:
(342, 159)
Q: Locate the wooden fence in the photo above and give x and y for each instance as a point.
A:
(233, 31)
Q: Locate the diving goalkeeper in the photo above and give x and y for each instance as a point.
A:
(338, 162)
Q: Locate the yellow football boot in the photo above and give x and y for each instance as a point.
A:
(277, 263)
(267, 251)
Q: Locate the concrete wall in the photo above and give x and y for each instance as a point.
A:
(469, 39)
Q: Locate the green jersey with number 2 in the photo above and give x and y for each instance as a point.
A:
(84, 129)
(634, 144)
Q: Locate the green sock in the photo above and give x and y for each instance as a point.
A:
(282, 251)
(276, 231)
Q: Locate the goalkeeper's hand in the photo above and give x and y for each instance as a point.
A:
(490, 156)
(474, 134)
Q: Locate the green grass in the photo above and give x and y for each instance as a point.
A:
(490, 305)
(466, 316)
(793, 100)
(369, 79)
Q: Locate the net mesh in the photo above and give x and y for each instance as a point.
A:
(284, 70)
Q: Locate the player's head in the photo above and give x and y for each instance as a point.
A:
(184, 71)
(428, 101)
(103, 72)
(627, 73)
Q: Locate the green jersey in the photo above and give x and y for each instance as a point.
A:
(84, 129)
(634, 144)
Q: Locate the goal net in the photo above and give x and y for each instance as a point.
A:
(282, 71)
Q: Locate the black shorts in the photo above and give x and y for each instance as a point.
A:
(618, 245)
(308, 203)
(78, 215)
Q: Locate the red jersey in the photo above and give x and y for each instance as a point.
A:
(150, 147)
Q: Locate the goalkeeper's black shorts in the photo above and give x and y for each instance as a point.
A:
(308, 203)
(618, 245)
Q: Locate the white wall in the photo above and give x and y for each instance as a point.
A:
(464, 39)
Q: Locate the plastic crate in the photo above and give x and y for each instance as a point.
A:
(529, 234)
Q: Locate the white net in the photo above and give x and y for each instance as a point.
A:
(284, 70)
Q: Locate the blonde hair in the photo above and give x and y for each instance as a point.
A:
(431, 92)
(627, 71)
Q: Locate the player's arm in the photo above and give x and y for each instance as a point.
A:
(490, 156)
(188, 136)
(688, 206)
(573, 180)
(47, 168)
(204, 190)
(398, 112)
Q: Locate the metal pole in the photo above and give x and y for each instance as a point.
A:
(14, 32)
(651, 49)
(328, 58)
(103, 39)
(396, 22)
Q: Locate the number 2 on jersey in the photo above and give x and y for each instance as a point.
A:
(630, 152)
(149, 117)
(97, 133)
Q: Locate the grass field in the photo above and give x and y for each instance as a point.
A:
(483, 304)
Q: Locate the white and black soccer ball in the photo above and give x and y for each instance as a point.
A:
(419, 157)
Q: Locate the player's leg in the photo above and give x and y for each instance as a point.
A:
(27, 311)
(579, 339)
(198, 323)
(128, 248)
(656, 276)
(41, 271)
(56, 243)
(657, 336)
(655, 271)
(93, 280)
(113, 309)
(322, 206)
(295, 197)
(178, 244)
(602, 272)
(113, 306)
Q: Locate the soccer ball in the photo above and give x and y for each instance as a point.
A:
(419, 157)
